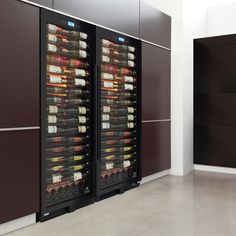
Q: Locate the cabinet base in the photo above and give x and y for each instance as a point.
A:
(120, 189)
(58, 210)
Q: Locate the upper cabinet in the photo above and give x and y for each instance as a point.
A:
(155, 26)
(122, 15)
(46, 3)
(19, 90)
(155, 82)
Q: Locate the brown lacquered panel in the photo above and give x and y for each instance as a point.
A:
(155, 83)
(155, 147)
(155, 26)
(19, 174)
(47, 3)
(19, 64)
(215, 109)
(122, 15)
(215, 145)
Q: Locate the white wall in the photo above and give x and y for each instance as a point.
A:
(189, 21)
(221, 19)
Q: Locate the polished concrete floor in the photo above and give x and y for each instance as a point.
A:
(200, 203)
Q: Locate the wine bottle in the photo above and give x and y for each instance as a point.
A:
(110, 69)
(67, 91)
(55, 29)
(78, 63)
(56, 149)
(53, 129)
(110, 84)
(52, 119)
(52, 59)
(56, 178)
(57, 49)
(56, 159)
(53, 109)
(53, 99)
(56, 38)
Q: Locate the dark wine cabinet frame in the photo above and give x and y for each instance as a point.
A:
(101, 193)
(48, 212)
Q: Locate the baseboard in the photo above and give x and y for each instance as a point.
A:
(17, 224)
(219, 169)
(155, 176)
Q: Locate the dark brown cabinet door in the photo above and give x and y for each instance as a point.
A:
(47, 3)
(122, 15)
(19, 174)
(155, 83)
(155, 26)
(215, 145)
(19, 64)
(155, 147)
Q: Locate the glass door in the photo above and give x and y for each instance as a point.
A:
(67, 110)
(118, 80)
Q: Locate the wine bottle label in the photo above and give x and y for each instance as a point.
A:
(82, 110)
(130, 125)
(52, 129)
(54, 69)
(105, 50)
(129, 87)
(78, 167)
(82, 44)
(131, 49)
(130, 110)
(131, 63)
(109, 165)
(129, 79)
(105, 125)
(82, 53)
(130, 56)
(107, 76)
(80, 72)
(105, 117)
(105, 42)
(53, 109)
(107, 84)
(82, 129)
(82, 119)
(126, 163)
(55, 79)
(52, 27)
(106, 109)
(77, 176)
(52, 48)
(52, 37)
(78, 158)
(127, 148)
(127, 156)
(57, 168)
(81, 82)
(56, 178)
(83, 35)
(52, 119)
(110, 157)
(130, 117)
(105, 59)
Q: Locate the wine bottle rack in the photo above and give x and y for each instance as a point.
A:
(118, 109)
(68, 114)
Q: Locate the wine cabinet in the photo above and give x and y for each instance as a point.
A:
(67, 114)
(118, 112)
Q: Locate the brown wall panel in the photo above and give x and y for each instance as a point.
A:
(155, 147)
(155, 83)
(122, 15)
(155, 26)
(19, 174)
(19, 64)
